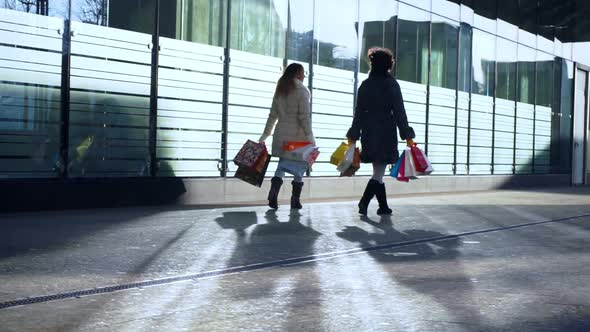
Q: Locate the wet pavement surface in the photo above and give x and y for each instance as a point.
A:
(486, 261)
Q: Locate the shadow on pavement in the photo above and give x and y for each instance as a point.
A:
(462, 306)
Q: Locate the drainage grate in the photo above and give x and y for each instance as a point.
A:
(260, 266)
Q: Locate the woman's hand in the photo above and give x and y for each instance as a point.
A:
(410, 142)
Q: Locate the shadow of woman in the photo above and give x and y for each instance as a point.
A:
(274, 240)
(448, 283)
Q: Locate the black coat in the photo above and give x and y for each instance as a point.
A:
(379, 110)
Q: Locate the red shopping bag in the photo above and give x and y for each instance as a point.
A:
(250, 154)
(419, 158)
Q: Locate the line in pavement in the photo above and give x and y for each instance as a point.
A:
(265, 265)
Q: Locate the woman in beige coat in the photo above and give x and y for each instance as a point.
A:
(291, 112)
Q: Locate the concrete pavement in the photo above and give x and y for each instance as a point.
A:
(487, 261)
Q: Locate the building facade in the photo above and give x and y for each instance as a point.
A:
(153, 89)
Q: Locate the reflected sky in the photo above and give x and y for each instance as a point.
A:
(337, 29)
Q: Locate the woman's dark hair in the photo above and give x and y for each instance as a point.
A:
(286, 83)
(381, 60)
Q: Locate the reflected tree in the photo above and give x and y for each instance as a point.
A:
(94, 12)
(28, 6)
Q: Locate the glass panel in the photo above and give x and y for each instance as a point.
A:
(259, 27)
(300, 40)
(482, 103)
(543, 109)
(561, 144)
(443, 82)
(525, 110)
(413, 37)
(465, 40)
(506, 56)
(335, 62)
(484, 50)
(190, 88)
(258, 42)
(378, 25)
(443, 58)
(199, 21)
(110, 88)
(412, 64)
(30, 88)
(463, 98)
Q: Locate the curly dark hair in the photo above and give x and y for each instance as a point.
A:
(381, 59)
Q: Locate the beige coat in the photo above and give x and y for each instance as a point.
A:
(294, 119)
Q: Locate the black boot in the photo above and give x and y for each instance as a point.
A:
(295, 202)
(382, 199)
(367, 196)
(273, 194)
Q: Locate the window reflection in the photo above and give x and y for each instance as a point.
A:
(413, 38)
(465, 38)
(200, 21)
(526, 74)
(562, 121)
(31, 41)
(136, 16)
(300, 43)
(259, 26)
(443, 58)
(378, 24)
(506, 58)
(484, 49)
(54, 8)
(336, 36)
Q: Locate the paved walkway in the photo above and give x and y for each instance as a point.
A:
(488, 261)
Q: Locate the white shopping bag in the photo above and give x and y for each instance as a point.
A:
(409, 168)
(348, 158)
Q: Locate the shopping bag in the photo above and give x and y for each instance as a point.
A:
(401, 175)
(346, 162)
(419, 158)
(251, 175)
(356, 164)
(409, 167)
(293, 145)
(338, 155)
(250, 154)
(303, 153)
(312, 156)
(395, 169)
(261, 164)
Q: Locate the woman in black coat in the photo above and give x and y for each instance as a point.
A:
(379, 110)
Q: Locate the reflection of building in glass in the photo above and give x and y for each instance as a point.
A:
(488, 88)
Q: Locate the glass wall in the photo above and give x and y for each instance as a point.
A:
(525, 110)
(482, 103)
(190, 88)
(412, 56)
(183, 100)
(545, 86)
(30, 88)
(442, 94)
(110, 82)
(258, 56)
(335, 62)
(463, 99)
(505, 107)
